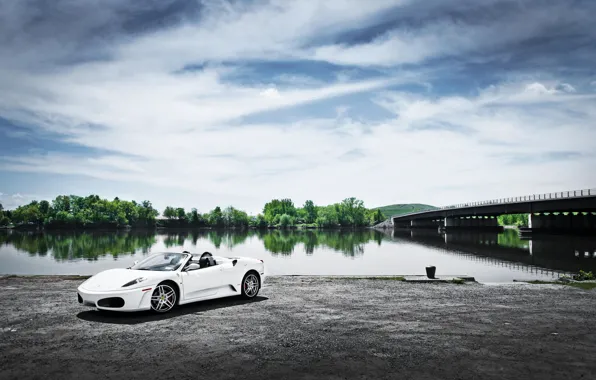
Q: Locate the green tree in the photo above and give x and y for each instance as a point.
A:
(61, 203)
(376, 217)
(180, 213)
(258, 221)
(311, 211)
(234, 218)
(169, 212)
(146, 213)
(327, 216)
(351, 212)
(286, 220)
(215, 217)
(4, 220)
(194, 218)
(513, 220)
(44, 208)
(278, 207)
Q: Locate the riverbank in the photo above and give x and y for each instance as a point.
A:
(305, 327)
(181, 228)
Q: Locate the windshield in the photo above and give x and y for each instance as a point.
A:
(161, 262)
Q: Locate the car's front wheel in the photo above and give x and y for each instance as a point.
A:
(250, 285)
(163, 298)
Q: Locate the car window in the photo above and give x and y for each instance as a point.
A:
(161, 262)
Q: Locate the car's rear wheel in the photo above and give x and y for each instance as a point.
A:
(250, 285)
(163, 298)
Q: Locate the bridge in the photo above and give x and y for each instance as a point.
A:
(568, 211)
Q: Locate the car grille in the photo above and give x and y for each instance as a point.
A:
(114, 302)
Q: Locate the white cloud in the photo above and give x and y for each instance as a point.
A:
(270, 93)
(245, 32)
(12, 201)
(181, 132)
(566, 87)
(302, 160)
(539, 89)
(445, 35)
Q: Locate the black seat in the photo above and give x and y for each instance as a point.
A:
(206, 261)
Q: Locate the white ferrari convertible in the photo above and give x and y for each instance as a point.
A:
(164, 280)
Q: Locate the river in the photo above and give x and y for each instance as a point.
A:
(489, 257)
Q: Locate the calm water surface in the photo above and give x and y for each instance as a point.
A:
(490, 257)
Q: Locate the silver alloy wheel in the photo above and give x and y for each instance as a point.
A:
(251, 285)
(163, 298)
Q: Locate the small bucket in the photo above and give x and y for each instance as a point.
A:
(430, 271)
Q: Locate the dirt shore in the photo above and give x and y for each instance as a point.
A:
(306, 328)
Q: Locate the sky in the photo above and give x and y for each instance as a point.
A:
(216, 103)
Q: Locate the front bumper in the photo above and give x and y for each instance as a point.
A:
(118, 300)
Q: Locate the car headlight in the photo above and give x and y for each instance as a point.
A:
(135, 281)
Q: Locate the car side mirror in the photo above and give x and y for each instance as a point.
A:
(192, 266)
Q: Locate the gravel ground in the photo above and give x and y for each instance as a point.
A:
(306, 328)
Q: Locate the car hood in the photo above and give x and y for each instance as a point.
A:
(113, 279)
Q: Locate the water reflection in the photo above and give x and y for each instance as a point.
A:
(68, 246)
(93, 245)
(349, 243)
(281, 242)
(555, 253)
(309, 251)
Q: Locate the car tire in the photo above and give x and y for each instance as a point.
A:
(164, 298)
(251, 284)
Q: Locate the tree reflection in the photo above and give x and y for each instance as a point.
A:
(226, 238)
(510, 238)
(349, 242)
(280, 242)
(92, 245)
(79, 245)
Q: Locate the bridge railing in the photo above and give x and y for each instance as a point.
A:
(523, 198)
(527, 198)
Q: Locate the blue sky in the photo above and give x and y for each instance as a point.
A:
(205, 103)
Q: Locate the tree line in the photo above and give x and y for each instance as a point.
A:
(71, 211)
(278, 213)
(75, 211)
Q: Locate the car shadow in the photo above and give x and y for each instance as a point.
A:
(133, 318)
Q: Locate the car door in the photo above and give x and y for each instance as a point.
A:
(229, 274)
(201, 283)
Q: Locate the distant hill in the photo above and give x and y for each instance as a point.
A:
(398, 209)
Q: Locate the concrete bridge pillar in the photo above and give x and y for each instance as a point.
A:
(449, 222)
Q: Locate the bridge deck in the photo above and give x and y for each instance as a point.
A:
(566, 201)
